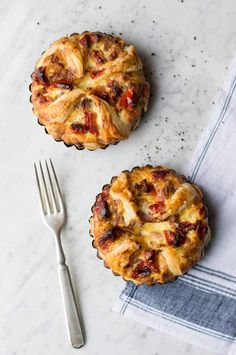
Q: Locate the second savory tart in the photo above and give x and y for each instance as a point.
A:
(150, 225)
(89, 90)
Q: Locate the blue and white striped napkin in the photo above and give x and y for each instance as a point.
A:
(200, 307)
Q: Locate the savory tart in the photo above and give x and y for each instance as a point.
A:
(89, 90)
(150, 225)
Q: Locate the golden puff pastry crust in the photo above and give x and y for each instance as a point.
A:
(150, 225)
(89, 90)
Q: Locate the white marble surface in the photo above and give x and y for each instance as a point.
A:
(193, 42)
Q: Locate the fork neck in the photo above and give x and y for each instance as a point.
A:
(59, 250)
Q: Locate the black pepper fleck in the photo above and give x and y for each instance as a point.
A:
(194, 38)
(153, 53)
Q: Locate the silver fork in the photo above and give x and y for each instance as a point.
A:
(54, 215)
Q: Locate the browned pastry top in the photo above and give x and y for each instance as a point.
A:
(150, 225)
(89, 90)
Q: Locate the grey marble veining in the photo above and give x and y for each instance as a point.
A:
(186, 47)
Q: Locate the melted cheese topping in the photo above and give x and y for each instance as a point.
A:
(89, 90)
(150, 225)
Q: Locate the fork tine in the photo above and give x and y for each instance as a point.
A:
(47, 201)
(53, 197)
(58, 191)
(43, 207)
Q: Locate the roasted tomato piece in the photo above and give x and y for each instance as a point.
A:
(39, 75)
(90, 122)
(144, 186)
(150, 257)
(79, 127)
(201, 229)
(116, 90)
(97, 57)
(157, 207)
(187, 226)
(95, 73)
(63, 86)
(85, 41)
(128, 99)
(176, 238)
(101, 207)
(108, 237)
(141, 270)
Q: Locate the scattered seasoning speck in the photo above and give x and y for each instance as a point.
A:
(193, 102)
(163, 98)
(120, 33)
(213, 102)
(153, 53)
(99, 7)
(201, 51)
(174, 76)
(194, 38)
(193, 65)
(38, 23)
(132, 21)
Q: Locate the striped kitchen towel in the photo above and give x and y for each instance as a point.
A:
(200, 307)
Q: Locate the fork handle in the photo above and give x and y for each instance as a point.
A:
(71, 311)
(68, 296)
